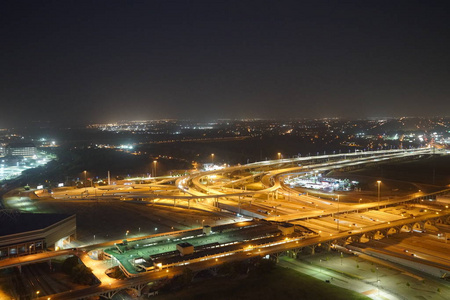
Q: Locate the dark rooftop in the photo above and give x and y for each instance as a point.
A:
(20, 145)
(185, 245)
(13, 223)
(286, 225)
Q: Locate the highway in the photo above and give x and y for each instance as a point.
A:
(279, 202)
(111, 284)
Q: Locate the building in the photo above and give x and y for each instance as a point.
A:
(185, 248)
(21, 149)
(27, 233)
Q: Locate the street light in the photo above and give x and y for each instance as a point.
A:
(279, 155)
(378, 182)
(85, 178)
(378, 283)
(337, 216)
(126, 234)
(154, 166)
(212, 158)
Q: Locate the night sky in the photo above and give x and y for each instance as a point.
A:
(105, 61)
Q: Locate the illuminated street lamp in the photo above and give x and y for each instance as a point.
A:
(154, 166)
(212, 158)
(279, 155)
(337, 216)
(379, 183)
(85, 179)
(126, 234)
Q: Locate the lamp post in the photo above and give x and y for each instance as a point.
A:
(279, 155)
(379, 183)
(212, 158)
(337, 216)
(154, 166)
(378, 283)
(85, 179)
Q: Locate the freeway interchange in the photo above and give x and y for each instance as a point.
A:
(228, 186)
(257, 191)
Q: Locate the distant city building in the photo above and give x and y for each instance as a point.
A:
(21, 149)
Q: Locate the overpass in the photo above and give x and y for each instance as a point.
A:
(192, 188)
(293, 245)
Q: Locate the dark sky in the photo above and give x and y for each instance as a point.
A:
(114, 60)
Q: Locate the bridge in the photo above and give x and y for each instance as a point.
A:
(289, 245)
(269, 173)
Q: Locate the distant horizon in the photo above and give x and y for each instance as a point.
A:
(22, 124)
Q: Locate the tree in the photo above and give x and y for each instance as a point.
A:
(265, 266)
(82, 275)
(226, 269)
(240, 267)
(69, 264)
(187, 276)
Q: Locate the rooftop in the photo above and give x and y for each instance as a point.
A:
(13, 223)
(162, 249)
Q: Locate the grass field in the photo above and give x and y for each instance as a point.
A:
(280, 283)
(433, 170)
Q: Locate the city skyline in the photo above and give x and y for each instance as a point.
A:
(105, 62)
